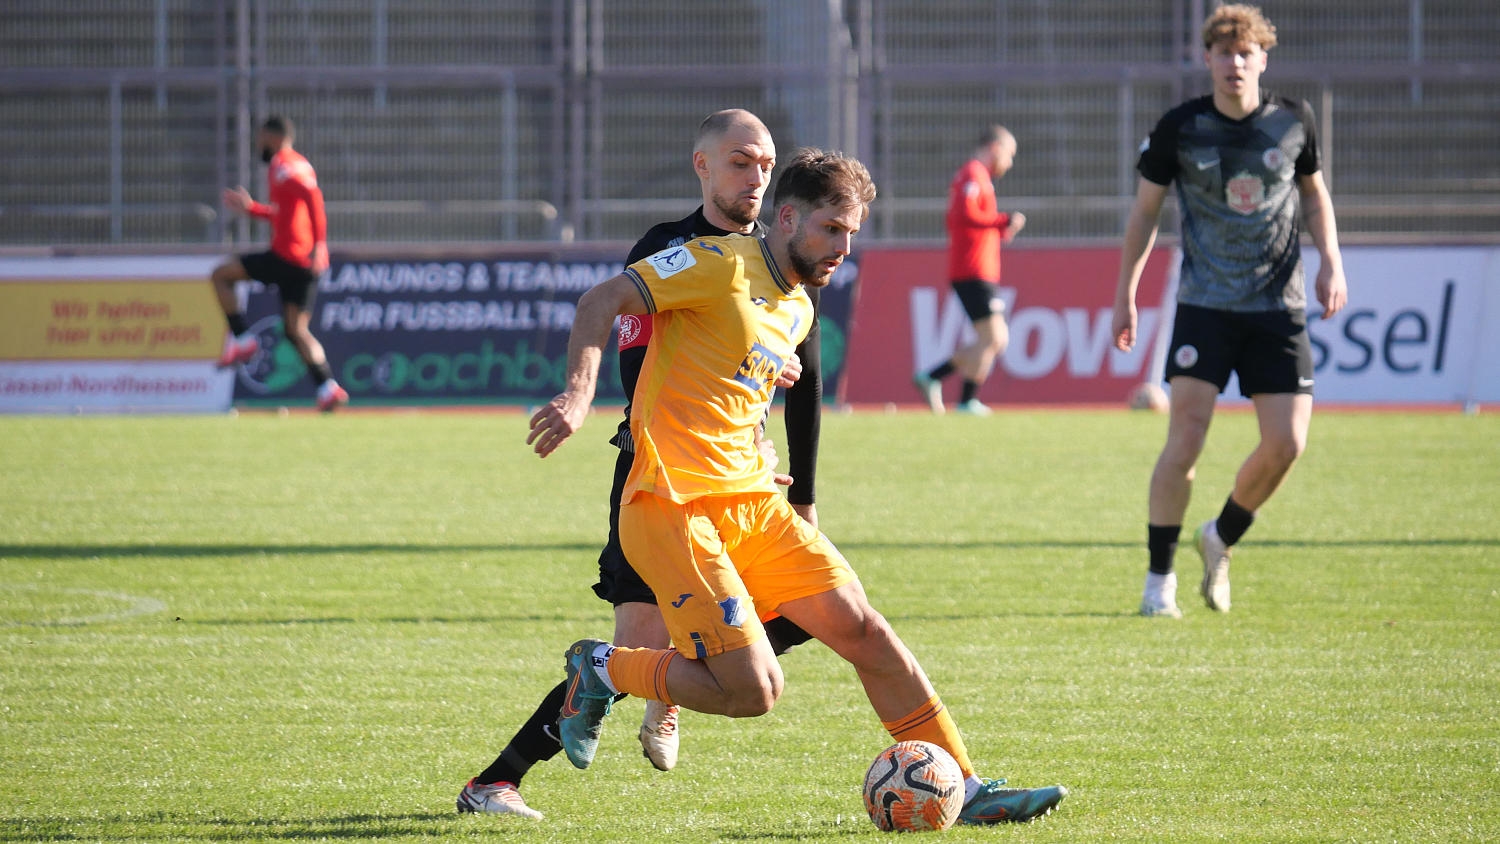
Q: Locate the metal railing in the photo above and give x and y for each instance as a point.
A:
(553, 170)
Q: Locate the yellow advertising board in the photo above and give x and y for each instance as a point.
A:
(89, 319)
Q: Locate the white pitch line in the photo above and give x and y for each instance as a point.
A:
(138, 605)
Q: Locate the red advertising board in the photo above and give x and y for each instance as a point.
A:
(1058, 307)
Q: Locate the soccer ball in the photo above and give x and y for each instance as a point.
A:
(1148, 396)
(914, 786)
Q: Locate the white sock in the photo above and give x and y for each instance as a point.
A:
(972, 784)
(600, 660)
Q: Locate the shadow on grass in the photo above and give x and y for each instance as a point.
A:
(827, 830)
(156, 826)
(84, 552)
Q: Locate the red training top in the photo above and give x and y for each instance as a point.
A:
(296, 208)
(974, 226)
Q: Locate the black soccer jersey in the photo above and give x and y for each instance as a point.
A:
(1237, 189)
(804, 400)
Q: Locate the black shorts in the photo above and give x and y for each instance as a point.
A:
(618, 582)
(980, 298)
(295, 283)
(1269, 350)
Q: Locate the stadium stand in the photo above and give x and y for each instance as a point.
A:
(489, 120)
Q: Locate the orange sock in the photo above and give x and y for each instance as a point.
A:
(931, 722)
(641, 672)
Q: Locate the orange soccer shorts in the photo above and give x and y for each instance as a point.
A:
(720, 564)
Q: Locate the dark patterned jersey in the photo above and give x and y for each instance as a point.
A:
(1237, 190)
(804, 400)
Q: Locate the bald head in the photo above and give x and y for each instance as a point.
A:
(715, 126)
(996, 150)
(733, 157)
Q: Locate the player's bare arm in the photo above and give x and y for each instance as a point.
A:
(1140, 234)
(319, 257)
(238, 199)
(597, 309)
(1013, 226)
(1331, 287)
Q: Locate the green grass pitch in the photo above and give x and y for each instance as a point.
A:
(317, 628)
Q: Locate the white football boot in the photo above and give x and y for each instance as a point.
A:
(659, 736)
(501, 798)
(1215, 554)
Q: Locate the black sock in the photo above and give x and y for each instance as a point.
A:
(1161, 542)
(319, 373)
(1233, 521)
(970, 389)
(531, 744)
(941, 372)
(237, 324)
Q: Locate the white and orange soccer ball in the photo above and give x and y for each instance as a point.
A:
(1149, 396)
(914, 786)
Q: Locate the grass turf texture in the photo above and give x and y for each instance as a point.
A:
(305, 628)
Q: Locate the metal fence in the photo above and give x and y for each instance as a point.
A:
(501, 120)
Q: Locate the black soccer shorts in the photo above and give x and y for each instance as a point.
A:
(296, 284)
(1269, 350)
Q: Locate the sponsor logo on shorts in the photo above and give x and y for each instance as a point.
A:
(1304, 382)
(1185, 357)
(670, 262)
(734, 611)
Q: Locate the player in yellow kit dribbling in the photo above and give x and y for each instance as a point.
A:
(700, 515)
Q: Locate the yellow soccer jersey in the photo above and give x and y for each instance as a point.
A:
(725, 322)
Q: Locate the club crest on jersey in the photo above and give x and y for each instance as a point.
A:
(1185, 357)
(1274, 159)
(1244, 193)
(630, 328)
(758, 368)
(670, 262)
(734, 611)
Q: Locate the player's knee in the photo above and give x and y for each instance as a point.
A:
(297, 333)
(1180, 458)
(998, 341)
(1284, 451)
(869, 642)
(227, 273)
(753, 700)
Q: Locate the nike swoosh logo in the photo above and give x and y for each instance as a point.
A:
(1204, 165)
(551, 734)
(1304, 382)
(568, 709)
(682, 599)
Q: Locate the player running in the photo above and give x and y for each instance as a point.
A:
(298, 255)
(976, 229)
